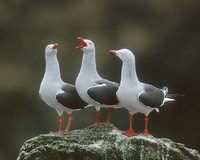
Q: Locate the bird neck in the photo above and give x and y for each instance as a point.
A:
(88, 66)
(52, 70)
(128, 75)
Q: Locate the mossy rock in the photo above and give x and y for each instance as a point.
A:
(103, 143)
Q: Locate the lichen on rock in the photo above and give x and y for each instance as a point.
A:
(103, 143)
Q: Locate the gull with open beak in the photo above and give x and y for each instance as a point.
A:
(90, 86)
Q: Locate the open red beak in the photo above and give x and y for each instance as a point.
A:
(112, 52)
(55, 46)
(82, 43)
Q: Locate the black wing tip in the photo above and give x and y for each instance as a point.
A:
(175, 95)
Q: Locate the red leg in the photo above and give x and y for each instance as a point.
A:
(98, 117)
(130, 132)
(61, 122)
(70, 121)
(146, 132)
(109, 115)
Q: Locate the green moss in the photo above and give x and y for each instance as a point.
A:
(102, 143)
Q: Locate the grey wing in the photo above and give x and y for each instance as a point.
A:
(104, 94)
(70, 98)
(105, 81)
(151, 96)
(69, 87)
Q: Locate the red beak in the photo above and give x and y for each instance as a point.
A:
(112, 52)
(55, 46)
(82, 43)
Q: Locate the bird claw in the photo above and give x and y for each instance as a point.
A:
(107, 122)
(146, 133)
(66, 131)
(98, 124)
(129, 133)
(61, 131)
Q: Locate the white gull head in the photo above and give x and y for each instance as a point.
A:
(51, 49)
(86, 45)
(88, 72)
(124, 54)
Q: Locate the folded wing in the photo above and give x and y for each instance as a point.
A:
(104, 92)
(70, 98)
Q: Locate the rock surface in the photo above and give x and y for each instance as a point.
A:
(103, 143)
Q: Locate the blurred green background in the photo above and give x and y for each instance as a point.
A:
(165, 36)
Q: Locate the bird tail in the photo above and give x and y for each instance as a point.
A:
(167, 96)
(166, 99)
(175, 95)
(165, 91)
(170, 97)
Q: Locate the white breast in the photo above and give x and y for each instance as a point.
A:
(128, 97)
(48, 92)
(82, 85)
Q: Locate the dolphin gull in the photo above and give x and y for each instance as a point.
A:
(54, 92)
(134, 95)
(90, 86)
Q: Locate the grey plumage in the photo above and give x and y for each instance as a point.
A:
(70, 98)
(105, 93)
(151, 96)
